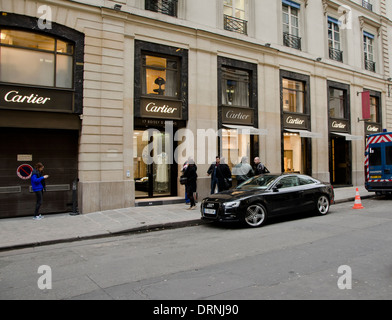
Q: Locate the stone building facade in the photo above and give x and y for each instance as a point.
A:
(134, 88)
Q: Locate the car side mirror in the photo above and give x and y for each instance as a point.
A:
(277, 187)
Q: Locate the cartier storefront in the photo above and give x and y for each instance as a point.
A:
(340, 148)
(296, 125)
(161, 108)
(237, 111)
(41, 98)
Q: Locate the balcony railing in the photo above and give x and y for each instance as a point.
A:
(168, 7)
(335, 54)
(291, 41)
(367, 5)
(370, 65)
(235, 24)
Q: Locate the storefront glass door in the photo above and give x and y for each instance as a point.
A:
(340, 161)
(152, 167)
(236, 145)
(296, 154)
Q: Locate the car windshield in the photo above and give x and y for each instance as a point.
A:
(258, 182)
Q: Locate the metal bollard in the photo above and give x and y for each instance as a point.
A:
(75, 210)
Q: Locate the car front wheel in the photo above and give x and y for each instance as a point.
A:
(255, 216)
(322, 205)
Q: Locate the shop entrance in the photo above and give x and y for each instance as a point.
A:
(296, 154)
(340, 161)
(154, 171)
(57, 150)
(236, 145)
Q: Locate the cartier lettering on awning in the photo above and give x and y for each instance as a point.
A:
(239, 116)
(162, 109)
(25, 98)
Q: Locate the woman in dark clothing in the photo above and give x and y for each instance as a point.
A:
(38, 186)
(191, 186)
(224, 176)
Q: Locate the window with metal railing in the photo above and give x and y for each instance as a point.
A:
(368, 47)
(370, 65)
(334, 41)
(366, 4)
(235, 24)
(168, 7)
(292, 41)
(335, 54)
(291, 30)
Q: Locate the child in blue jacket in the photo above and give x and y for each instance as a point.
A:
(38, 186)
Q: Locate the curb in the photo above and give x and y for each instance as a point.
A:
(136, 230)
(109, 234)
(353, 199)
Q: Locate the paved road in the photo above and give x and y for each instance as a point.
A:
(290, 258)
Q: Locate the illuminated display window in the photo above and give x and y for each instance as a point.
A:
(34, 59)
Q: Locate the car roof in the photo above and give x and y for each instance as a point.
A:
(288, 174)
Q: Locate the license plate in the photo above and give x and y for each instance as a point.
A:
(209, 211)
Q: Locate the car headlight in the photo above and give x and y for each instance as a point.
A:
(232, 204)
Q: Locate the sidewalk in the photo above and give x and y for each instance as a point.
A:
(25, 232)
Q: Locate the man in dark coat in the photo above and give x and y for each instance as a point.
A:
(224, 178)
(191, 186)
(219, 171)
(259, 167)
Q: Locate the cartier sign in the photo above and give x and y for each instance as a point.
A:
(156, 108)
(339, 125)
(372, 128)
(295, 121)
(239, 116)
(17, 97)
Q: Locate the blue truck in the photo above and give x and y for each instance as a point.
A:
(378, 163)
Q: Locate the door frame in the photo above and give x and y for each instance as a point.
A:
(150, 168)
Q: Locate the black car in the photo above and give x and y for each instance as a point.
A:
(268, 195)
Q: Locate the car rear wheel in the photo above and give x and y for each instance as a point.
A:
(322, 205)
(255, 215)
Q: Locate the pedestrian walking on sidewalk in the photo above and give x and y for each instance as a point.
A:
(39, 186)
(191, 182)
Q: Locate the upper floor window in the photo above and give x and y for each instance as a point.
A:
(293, 96)
(161, 75)
(337, 103)
(235, 15)
(168, 7)
(291, 34)
(368, 48)
(334, 41)
(34, 59)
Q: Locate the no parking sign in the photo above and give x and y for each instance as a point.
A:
(24, 171)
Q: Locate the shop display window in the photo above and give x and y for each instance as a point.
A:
(374, 107)
(293, 96)
(235, 87)
(33, 59)
(293, 153)
(161, 76)
(336, 103)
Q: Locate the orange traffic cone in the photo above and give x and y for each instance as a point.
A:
(358, 203)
